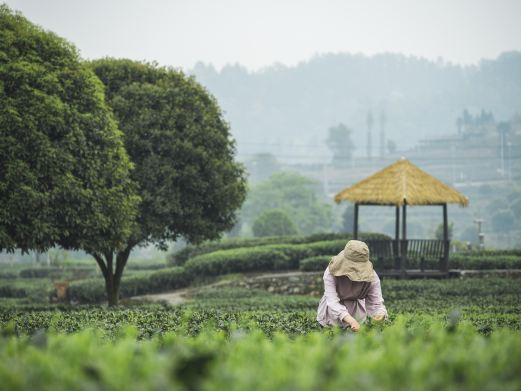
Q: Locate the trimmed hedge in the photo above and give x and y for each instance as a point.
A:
(93, 290)
(181, 256)
(238, 260)
(262, 258)
(318, 263)
(87, 291)
(8, 275)
(57, 272)
(493, 253)
(294, 253)
(171, 278)
(12, 291)
(484, 262)
(146, 266)
(327, 247)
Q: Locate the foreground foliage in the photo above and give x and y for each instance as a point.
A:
(488, 304)
(430, 356)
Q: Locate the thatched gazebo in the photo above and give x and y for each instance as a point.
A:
(403, 184)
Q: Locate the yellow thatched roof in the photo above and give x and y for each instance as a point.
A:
(402, 182)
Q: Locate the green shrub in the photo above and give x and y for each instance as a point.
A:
(327, 247)
(181, 256)
(135, 285)
(58, 272)
(40, 272)
(170, 278)
(146, 266)
(293, 252)
(492, 253)
(433, 355)
(93, 290)
(262, 258)
(237, 260)
(8, 275)
(484, 262)
(12, 291)
(274, 222)
(317, 263)
(87, 291)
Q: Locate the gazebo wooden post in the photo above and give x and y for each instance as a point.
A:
(355, 227)
(445, 262)
(403, 252)
(397, 238)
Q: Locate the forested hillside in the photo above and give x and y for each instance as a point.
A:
(412, 98)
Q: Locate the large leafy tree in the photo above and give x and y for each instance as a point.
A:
(183, 154)
(64, 172)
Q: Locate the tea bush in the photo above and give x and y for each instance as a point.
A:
(483, 261)
(318, 263)
(93, 290)
(237, 260)
(262, 258)
(427, 355)
(181, 256)
(487, 303)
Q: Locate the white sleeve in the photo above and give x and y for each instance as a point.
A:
(374, 301)
(338, 310)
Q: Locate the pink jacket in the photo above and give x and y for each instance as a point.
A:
(359, 299)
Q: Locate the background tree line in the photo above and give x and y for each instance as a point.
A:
(278, 106)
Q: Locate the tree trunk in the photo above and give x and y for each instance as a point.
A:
(112, 292)
(113, 277)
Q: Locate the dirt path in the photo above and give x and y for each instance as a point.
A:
(181, 296)
(174, 297)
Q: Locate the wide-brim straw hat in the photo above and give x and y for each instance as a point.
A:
(353, 262)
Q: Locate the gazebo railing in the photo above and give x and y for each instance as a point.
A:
(410, 253)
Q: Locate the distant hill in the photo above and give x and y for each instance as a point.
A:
(278, 107)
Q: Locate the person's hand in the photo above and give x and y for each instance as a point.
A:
(378, 318)
(352, 322)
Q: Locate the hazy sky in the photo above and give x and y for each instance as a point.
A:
(257, 33)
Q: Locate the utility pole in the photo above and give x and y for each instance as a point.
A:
(382, 134)
(369, 121)
(509, 159)
(503, 128)
(481, 235)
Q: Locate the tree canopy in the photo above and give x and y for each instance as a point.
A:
(341, 145)
(64, 172)
(299, 196)
(274, 222)
(183, 154)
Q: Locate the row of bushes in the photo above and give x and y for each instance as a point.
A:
(263, 258)
(93, 290)
(181, 256)
(50, 272)
(462, 262)
(492, 253)
(457, 261)
(307, 257)
(58, 272)
(249, 259)
(146, 266)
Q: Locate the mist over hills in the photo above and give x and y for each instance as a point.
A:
(287, 110)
